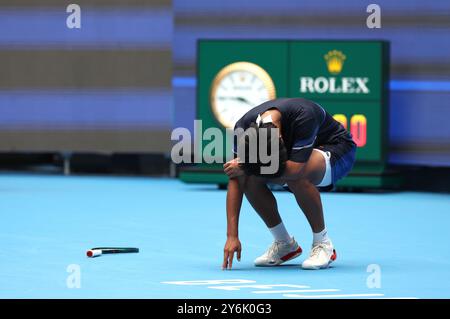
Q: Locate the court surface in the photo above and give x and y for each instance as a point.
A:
(48, 222)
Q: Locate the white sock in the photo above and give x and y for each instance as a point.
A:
(280, 233)
(321, 237)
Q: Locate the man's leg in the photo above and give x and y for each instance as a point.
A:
(308, 198)
(306, 193)
(263, 201)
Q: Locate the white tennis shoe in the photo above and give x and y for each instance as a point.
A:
(278, 253)
(321, 256)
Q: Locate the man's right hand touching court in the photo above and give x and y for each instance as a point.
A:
(231, 246)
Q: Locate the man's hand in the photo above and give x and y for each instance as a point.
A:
(231, 246)
(232, 168)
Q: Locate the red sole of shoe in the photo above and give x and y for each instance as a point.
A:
(292, 255)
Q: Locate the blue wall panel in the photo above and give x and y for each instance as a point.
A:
(419, 33)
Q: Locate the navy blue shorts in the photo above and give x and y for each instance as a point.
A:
(342, 158)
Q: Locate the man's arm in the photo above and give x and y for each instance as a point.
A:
(234, 202)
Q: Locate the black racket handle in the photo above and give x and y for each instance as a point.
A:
(98, 251)
(117, 250)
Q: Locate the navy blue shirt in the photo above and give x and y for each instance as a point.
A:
(304, 125)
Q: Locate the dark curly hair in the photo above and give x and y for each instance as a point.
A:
(252, 163)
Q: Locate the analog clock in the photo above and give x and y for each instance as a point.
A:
(237, 88)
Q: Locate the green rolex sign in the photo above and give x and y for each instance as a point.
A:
(337, 70)
(348, 78)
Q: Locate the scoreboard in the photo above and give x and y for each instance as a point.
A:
(348, 78)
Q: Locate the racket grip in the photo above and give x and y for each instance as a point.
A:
(93, 252)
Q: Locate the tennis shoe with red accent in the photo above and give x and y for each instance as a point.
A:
(321, 256)
(278, 253)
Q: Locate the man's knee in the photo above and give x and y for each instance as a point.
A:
(253, 183)
(299, 182)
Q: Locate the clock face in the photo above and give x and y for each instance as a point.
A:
(237, 88)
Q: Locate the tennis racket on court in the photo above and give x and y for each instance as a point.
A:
(98, 251)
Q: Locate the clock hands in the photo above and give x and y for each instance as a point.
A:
(237, 98)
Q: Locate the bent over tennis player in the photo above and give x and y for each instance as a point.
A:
(315, 151)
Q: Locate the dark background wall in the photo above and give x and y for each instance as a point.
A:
(419, 32)
(104, 87)
(107, 87)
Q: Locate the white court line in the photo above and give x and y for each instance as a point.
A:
(210, 282)
(258, 286)
(332, 296)
(396, 298)
(291, 291)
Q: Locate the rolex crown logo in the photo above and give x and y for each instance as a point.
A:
(335, 61)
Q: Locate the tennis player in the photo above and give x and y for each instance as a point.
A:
(314, 152)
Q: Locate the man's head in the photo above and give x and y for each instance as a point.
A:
(263, 150)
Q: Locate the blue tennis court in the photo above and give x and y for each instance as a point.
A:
(389, 245)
